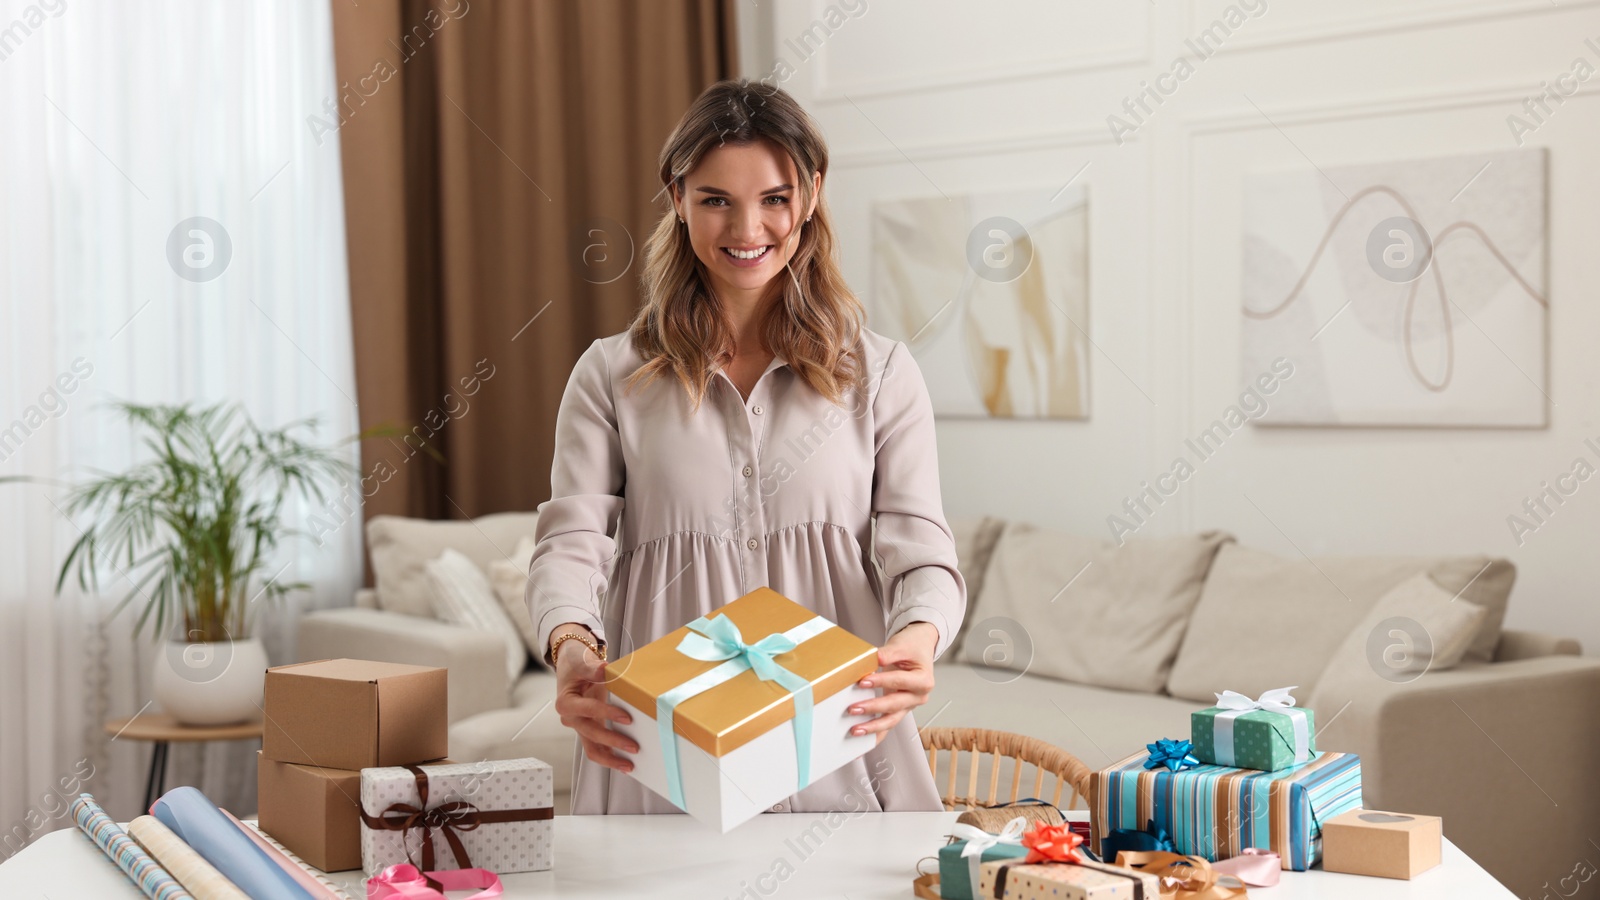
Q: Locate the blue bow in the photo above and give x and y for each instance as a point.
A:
(1130, 840)
(1175, 755)
(719, 639)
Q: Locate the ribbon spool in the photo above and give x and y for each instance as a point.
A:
(993, 819)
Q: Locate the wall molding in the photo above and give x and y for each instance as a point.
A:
(1005, 144)
(828, 90)
(1365, 26)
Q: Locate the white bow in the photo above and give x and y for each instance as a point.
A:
(1277, 698)
(979, 840)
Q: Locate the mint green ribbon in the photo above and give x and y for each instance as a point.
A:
(715, 639)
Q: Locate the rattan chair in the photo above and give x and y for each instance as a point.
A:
(1004, 750)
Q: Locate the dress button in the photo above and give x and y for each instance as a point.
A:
(756, 410)
(747, 471)
(752, 543)
(779, 807)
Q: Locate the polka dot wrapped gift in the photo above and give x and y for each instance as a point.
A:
(495, 815)
(1269, 733)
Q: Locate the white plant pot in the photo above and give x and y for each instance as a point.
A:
(215, 683)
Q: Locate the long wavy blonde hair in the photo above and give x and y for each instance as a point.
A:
(814, 322)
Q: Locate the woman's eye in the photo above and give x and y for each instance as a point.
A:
(709, 201)
(778, 198)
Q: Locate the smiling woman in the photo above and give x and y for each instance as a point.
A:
(764, 344)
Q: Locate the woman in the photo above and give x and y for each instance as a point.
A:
(746, 431)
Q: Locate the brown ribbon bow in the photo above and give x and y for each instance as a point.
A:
(1192, 877)
(448, 818)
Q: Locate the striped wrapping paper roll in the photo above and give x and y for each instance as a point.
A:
(319, 888)
(129, 856)
(192, 871)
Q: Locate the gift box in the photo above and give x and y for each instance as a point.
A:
(1389, 845)
(959, 869)
(1215, 812)
(495, 815)
(353, 713)
(315, 812)
(743, 707)
(1057, 880)
(1267, 734)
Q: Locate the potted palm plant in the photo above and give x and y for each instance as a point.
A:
(194, 527)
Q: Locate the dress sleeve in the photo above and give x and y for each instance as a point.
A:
(573, 543)
(912, 543)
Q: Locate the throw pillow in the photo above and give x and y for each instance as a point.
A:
(510, 580)
(462, 596)
(400, 546)
(1088, 611)
(1417, 627)
(1266, 621)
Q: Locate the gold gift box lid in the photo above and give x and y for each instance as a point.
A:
(734, 713)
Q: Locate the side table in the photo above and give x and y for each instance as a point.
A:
(162, 730)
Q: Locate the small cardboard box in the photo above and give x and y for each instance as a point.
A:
(1388, 845)
(313, 811)
(1085, 880)
(353, 713)
(732, 750)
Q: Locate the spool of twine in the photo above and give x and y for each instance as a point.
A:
(993, 820)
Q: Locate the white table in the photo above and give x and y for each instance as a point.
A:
(866, 856)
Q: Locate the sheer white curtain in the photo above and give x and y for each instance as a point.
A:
(118, 122)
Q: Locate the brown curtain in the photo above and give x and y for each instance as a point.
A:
(499, 160)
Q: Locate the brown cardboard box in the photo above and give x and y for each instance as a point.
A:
(352, 713)
(313, 811)
(1389, 845)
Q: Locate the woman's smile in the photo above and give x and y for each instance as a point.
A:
(747, 257)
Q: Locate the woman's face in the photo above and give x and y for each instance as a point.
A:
(743, 199)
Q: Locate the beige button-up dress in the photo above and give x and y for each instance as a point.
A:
(780, 490)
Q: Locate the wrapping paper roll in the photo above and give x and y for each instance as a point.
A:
(321, 889)
(128, 855)
(205, 828)
(199, 877)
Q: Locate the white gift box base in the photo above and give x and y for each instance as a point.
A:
(727, 791)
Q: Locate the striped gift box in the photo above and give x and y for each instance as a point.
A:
(1217, 811)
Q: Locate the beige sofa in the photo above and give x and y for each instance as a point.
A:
(1101, 651)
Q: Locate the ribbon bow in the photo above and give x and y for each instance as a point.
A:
(407, 881)
(1255, 866)
(979, 841)
(1278, 700)
(1053, 843)
(448, 818)
(1189, 877)
(1275, 700)
(1130, 840)
(719, 639)
(1175, 755)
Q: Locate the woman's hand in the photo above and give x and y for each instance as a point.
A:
(581, 702)
(905, 672)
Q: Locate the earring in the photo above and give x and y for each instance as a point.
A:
(808, 218)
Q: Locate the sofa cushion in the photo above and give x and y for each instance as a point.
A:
(400, 545)
(1416, 628)
(1094, 613)
(975, 539)
(461, 595)
(510, 580)
(1265, 621)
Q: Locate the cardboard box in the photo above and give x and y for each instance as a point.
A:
(734, 743)
(313, 811)
(352, 713)
(1217, 812)
(1389, 845)
(501, 811)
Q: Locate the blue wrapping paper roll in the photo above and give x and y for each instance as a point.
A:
(219, 842)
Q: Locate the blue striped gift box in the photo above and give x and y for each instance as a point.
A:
(1217, 811)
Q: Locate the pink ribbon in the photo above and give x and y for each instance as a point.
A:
(1255, 867)
(406, 882)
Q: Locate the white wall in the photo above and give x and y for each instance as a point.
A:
(919, 97)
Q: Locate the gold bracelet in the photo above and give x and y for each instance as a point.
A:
(598, 649)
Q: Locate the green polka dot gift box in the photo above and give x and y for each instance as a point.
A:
(1269, 733)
